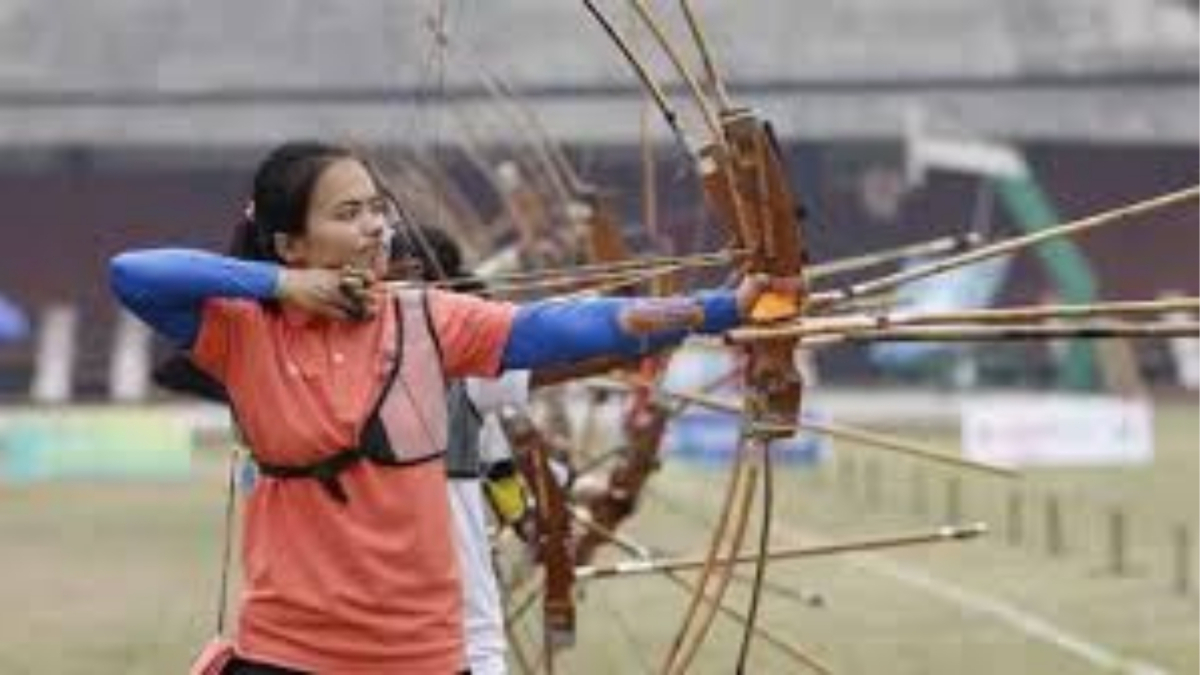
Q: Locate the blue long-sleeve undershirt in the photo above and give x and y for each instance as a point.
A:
(558, 332)
(166, 288)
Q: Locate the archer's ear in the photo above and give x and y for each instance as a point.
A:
(289, 249)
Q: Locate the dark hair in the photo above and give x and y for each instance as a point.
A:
(439, 254)
(282, 192)
(178, 373)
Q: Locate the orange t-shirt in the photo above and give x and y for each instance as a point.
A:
(370, 586)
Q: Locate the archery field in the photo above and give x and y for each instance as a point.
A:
(120, 576)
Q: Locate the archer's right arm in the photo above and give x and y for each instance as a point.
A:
(167, 288)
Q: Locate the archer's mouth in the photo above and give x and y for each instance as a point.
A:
(372, 256)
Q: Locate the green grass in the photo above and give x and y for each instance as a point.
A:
(110, 578)
(122, 577)
(874, 623)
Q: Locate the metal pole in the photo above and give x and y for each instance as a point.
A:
(1182, 537)
(1117, 562)
(1055, 544)
(953, 499)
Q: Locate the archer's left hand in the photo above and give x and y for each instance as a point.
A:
(763, 297)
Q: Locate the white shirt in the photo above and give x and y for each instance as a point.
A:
(483, 614)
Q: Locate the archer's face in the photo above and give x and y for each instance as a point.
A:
(347, 222)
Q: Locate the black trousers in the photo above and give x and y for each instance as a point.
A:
(240, 666)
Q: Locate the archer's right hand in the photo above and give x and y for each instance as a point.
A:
(334, 294)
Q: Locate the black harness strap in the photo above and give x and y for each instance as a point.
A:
(326, 471)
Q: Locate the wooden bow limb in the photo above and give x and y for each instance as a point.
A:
(553, 527)
(650, 199)
(647, 565)
(733, 509)
(715, 81)
(1092, 330)
(688, 587)
(707, 112)
(712, 156)
(829, 299)
(863, 437)
(669, 114)
(731, 497)
(848, 324)
(729, 534)
(634, 466)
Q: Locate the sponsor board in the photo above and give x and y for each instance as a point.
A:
(1057, 430)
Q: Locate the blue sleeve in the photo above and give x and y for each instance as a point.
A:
(167, 288)
(553, 333)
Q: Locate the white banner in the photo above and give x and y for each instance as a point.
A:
(1031, 430)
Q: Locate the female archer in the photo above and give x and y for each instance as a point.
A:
(338, 384)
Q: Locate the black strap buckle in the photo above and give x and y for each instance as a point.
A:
(326, 474)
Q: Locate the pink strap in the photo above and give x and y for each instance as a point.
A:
(213, 658)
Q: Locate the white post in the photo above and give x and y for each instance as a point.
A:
(129, 367)
(54, 363)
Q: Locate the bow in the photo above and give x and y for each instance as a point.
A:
(746, 186)
(551, 536)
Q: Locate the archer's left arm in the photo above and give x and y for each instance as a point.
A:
(552, 333)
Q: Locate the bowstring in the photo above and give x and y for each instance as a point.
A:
(405, 225)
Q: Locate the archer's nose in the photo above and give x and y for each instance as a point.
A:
(373, 226)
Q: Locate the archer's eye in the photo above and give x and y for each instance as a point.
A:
(378, 206)
(347, 211)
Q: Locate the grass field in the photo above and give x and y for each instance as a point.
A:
(122, 577)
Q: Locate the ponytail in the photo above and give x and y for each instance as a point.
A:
(252, 241)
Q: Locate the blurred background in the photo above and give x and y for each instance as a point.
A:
(133, 123)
